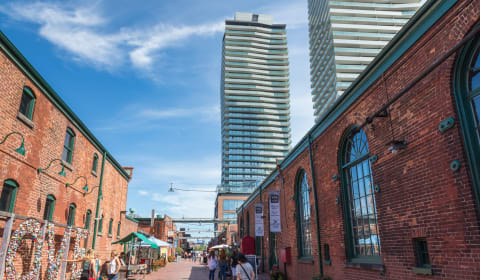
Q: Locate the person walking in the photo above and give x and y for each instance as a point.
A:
(114, 266)
(212, 265)
(244, 269)
(97, 264)
(222, 263)
(234, 263)
(88, 266)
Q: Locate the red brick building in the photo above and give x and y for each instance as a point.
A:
(370, 193)
(163, 228)
(65, 175)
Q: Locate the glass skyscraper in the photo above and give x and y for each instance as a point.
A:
(255, 100)
(345, 36)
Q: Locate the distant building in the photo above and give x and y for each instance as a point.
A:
(255, 98)
(345, 36)
(163, 229)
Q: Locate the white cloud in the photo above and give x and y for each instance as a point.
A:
(294, 14)
(83, 33)
(142, 192)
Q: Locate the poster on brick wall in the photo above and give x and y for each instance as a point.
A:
(274, 201)
(259, 230)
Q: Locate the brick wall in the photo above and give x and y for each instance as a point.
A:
(44, 142)
(420, 196)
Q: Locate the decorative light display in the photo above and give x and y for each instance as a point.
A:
(78, 253)
(54, 263)
(32, 227)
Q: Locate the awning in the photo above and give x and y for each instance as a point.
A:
(222, 246)
(159, 242)
(132, 236)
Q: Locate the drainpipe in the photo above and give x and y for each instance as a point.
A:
(310, 152)
(98, 201)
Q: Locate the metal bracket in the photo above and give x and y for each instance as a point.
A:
(455, 165)
(446, 124)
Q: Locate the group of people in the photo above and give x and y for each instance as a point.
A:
(92, 267)
(241, 268)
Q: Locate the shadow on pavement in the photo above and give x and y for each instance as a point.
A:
(198, 272)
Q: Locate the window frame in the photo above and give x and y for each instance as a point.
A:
(71, 214)
(248, 224)
(301, 175)
(95, 163)
(70, 147)
(49, 215)
(110, 227)
(88, 219)
(118, 228)
(463, 97)
(31, 106)
(100, 224)
(345, 191)
(14, 185)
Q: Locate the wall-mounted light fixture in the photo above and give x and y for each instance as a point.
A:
(85, 188)
(397, 145)
(21, 149)
(61, 173)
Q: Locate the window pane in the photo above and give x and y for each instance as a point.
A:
(476, 109)
(47, 214)
(65, 154)
(362, 201)
(25, 104)
(475, 82)
(6, 198)
(303, 202)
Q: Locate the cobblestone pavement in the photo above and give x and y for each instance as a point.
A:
(185, 270)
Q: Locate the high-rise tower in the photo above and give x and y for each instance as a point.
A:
(345, 36)
(255, 102)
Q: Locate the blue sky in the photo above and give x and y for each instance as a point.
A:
(145, 76)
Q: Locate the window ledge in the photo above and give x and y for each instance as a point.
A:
(25, 120)
(369, 266)
(94, 173)
(305, 260)
(67, 165)
(327, 262)
(422, 270)
(100, 234)
(109, 236)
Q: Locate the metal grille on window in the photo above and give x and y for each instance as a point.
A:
(363, 215)
(305, 233)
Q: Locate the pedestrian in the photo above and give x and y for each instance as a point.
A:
(244, 269)
(97, 264)
(234, 263)
(114, 266)
(212, 265)
(222, 263)
(122, 259)
(88, 266)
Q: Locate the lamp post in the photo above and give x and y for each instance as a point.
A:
(85, 188)
(61, 173)
(172, 189)
(21, 149)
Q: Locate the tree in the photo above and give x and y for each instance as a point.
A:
(179, 250)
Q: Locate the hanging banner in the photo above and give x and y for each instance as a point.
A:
(274, 199)
(259, 231)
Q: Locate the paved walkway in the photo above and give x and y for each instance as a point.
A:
(185, 270)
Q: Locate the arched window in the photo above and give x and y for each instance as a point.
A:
(68, 146)
(95, 163)
(100, 224)
(88, 218)
(27, 103)
(467, 97)
(359, 200)
(118, 229)
(49, 207)
(9, 193)
(71, 214)
(110, 227)
(304, 233)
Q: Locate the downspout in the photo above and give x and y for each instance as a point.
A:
(98, 201)
(315, 199)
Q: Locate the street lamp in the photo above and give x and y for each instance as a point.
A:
(21, 149)
(85, 188)
(61, 173)
(172, 189)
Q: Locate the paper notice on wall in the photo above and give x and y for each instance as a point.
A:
(259, 230)
(274, 199)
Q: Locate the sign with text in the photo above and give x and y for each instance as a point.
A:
(259, 230)
(274, 201)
